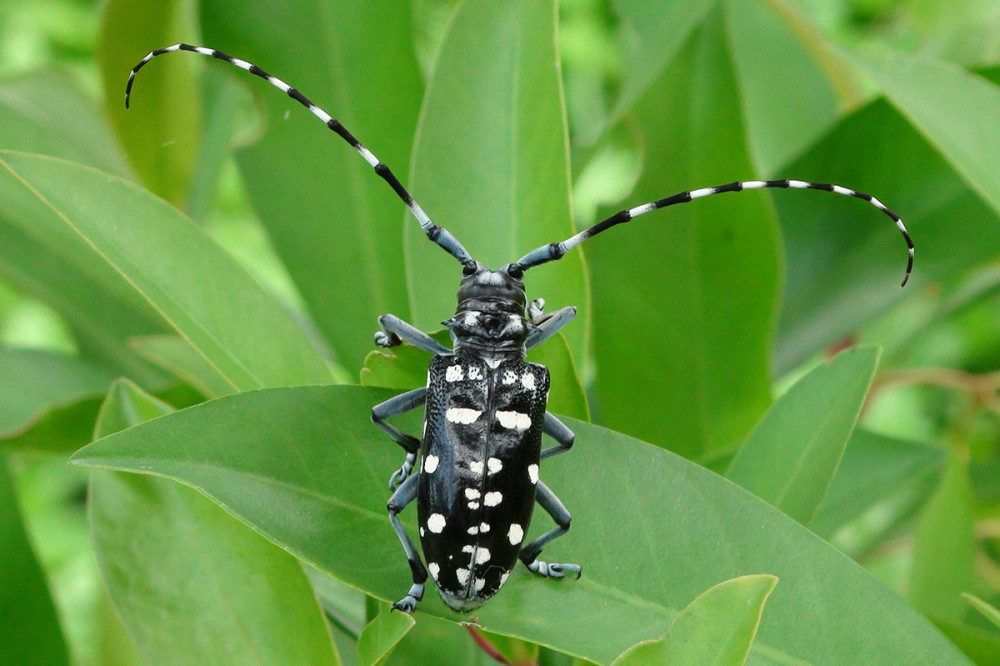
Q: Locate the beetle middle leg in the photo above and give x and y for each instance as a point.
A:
(405, 494)
(529, 554)
(395, 406)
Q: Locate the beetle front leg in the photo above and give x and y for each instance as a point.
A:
(399, 501)
(400, 404)
(546, 325)
(529, 554)
(395, 332)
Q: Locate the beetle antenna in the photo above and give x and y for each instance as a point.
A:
(439, 235)
(553, 251)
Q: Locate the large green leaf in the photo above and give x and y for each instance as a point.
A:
(145, 246)
(336, 225)
(193, 571)
(684, 298)
(651, 530)
(491, 160)
(791, 457)
(717, 628)
(31, 634)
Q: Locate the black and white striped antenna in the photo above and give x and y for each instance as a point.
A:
(553, 251)
(438, 234)
(545, 253)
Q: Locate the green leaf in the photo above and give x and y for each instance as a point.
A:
(944, 547)
(31, 633)
(491, 160)
(194, 571)
(651, 529)
(718, 627)
(169, 261)
(336, 225)
(45, 112)
(933, 94)
(987, 610)
(48, 401)
(382, 635)
(161, 132)
(684, 298)
(876, 468)
(792, 456)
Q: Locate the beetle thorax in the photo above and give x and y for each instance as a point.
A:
(490, 313)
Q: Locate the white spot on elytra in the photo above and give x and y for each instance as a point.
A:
(454, 373)
(434, 569)
(421, 531)
(473, 530)
(473, 505)
(484, 527)
(468, 549)
(503, 578)
(475, 373)
(472, 493)
(493, 498)
(514, 420)
(533, 472)
(435, 523)
(430, 464)
(480, 584)
(482, 555)
(494, 465)
(476, 467)
(462, 415)
(528, 381)
(509, 377)
(515, 534)
(462, 575)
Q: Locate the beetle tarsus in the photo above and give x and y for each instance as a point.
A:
(387, 340)
(408, 604)
(403, 472)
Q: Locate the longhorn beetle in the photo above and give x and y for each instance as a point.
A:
(484, 405)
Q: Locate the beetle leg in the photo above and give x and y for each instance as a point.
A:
(400, 404)
(395, 332)
(529, 554)
(405, 494)
(546, 325)
(558, 431)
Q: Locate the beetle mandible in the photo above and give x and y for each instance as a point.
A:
(484, 404)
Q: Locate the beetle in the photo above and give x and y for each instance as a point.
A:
(484, 404)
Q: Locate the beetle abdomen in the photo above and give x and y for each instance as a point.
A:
(480, 452)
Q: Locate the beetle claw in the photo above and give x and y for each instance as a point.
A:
(554, 569)
(383, 339)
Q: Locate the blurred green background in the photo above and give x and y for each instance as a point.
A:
(692, 323)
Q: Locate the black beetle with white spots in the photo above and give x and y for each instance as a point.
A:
(484, 405)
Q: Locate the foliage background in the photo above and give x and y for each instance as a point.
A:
(692, 322)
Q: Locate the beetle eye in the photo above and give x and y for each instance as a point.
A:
(469, 269)
(515, 271)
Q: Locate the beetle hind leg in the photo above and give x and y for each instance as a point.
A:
(529, 554)
(405, 494)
